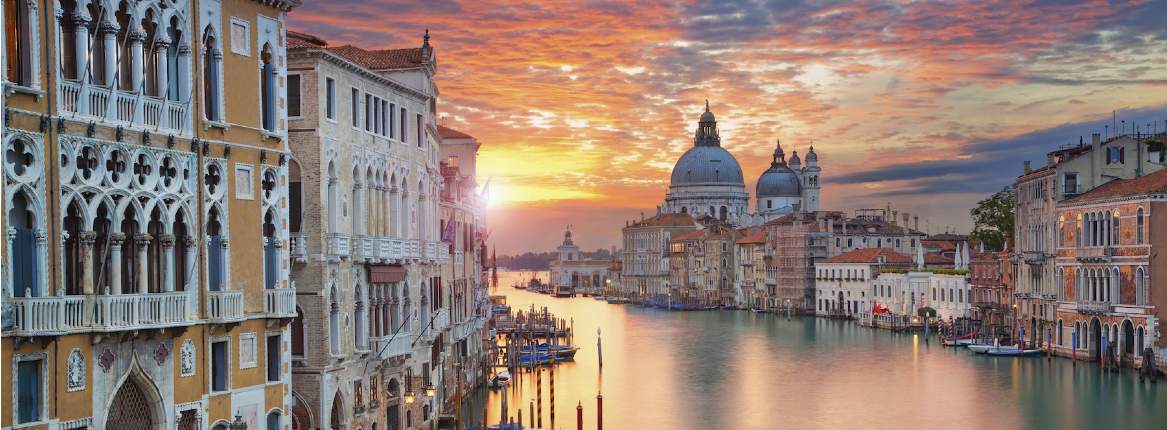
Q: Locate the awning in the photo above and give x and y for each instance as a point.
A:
(386, 273)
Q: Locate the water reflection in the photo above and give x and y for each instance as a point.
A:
(740, 370)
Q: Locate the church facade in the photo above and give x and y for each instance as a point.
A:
(708, 181)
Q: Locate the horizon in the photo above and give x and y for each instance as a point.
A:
(929, 109)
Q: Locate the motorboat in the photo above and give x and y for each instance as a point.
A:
(500, 379)
(562, 352)
(1012, 352)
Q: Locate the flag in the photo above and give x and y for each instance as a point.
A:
(448, 235)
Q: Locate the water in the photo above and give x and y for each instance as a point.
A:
(740, 370)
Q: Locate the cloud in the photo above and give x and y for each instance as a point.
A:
(594, 101)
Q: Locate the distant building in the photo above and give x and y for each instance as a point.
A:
(645, 259)
(794, 243)
(991, 279)
(701, 267)
(750, 280)
(571, 269)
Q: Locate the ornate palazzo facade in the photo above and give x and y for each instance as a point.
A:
(133, 188)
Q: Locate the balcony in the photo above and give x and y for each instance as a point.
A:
(362, 247)
(225, 306)
(48, 315)
(1094, 253)
(126, 109)
(299, 248)
(1092, 307)
(1036, 257)
(384, 348)
(337, 244)
(280, 302)
(141, 311)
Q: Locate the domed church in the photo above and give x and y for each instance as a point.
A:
(707, 180)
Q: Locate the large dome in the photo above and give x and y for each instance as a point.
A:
(779, 181)
(707, 165)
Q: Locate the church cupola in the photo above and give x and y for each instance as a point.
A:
(795, 162)
(779, 156)
(707, 129)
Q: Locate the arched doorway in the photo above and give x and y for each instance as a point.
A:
(133, 407)
(336, 417)
(1128, 341)
(1095, 339)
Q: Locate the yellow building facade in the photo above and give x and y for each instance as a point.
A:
(145, 266)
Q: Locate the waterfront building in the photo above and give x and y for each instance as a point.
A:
(1068, 172)
(146, 275)
(645, 259)
(463, 278)
(701, 266)
(991, 285)
(752, 273)
(372, 307)
(1106, 265)
(843, 282)
(571, 269)
(794, 243)
(907, 293)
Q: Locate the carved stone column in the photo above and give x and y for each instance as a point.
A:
(183, 72)
(80, 41)
(168, 262)
(109, 46)
(160, 71)
(115, 253)
(143, 241)
(87, 240)
(137, 37)
(191, 248)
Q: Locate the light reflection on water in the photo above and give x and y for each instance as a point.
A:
(740, 370)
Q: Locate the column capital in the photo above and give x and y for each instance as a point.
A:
(88, 237)
(143, 239)
(167, 240)
(190, 242)
(136, 35)
(116, 238)
(184, 48)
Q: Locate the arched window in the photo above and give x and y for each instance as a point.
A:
(271, 244)
(174, 33)
(273, 421)
(1140, 223)
(125, 55)
(19, 25)
(22, 218)
(216, 255)
(211, 75)
(268, 88)
(333, 201)
(1141, 282)
(361, 322)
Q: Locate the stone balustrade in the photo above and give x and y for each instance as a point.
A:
(225, 306)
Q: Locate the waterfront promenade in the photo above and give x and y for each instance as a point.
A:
(740, 370)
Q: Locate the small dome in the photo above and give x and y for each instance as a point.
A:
(811, 156)
(778, 181)
(794, 160)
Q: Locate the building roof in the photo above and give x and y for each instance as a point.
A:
(755, 237)
(690, 235)
(1150, 183)
(382, 59)
(297, 39)
(666, 220)
(449, 133)
(871, 256)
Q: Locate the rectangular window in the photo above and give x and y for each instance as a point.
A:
(385, 115)
(1071, 183)
(419, 129)
(28, 391)
(293, 95)
(18, 27)
(273, 358)
(392, 121)
(368, 112)
(247, 354)
(219, 365)
(329, 98)
(404, 129)
(356, 108)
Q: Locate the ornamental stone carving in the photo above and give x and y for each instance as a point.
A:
(75, 371)
(186, 358)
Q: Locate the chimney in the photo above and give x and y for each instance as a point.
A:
(916, 220)
(1027, 168)
(1095, 139)
(642, 216)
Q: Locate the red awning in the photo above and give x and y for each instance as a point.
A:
(386, 273)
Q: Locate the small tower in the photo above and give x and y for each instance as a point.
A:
(810, 182)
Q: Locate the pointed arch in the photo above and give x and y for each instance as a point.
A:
(137, 404)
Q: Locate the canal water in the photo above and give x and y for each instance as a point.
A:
(741, 370)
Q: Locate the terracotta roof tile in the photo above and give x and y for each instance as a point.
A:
(449, 133)
(382, 59)
(667, 220)
(690, 235)
(757, 237)
(1150, 183)
(304, 40)
(871, 255)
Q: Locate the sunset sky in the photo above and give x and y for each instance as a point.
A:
(582, 108)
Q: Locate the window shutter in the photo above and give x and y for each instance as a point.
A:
(215, 263)
(269, 263)
(28, 394)
(24, 263)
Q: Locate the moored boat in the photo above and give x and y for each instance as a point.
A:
(1012, 352)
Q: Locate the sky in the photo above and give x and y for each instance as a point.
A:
(582, 108)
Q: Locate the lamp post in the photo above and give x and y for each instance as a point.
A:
(238, 424)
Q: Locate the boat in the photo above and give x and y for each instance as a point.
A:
(562, 352)
(600, 297)
(539, 359)
(500, 379)
(617, 300)
(519, 286)
(564, 291)
(1012, 352)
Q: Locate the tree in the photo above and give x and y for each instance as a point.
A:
(993, 220)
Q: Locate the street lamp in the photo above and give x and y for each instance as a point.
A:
(429, 390)
(238, 424)
(409, 397)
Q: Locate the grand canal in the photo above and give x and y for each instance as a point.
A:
(740, 370)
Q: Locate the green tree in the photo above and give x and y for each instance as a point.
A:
(993, 220)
